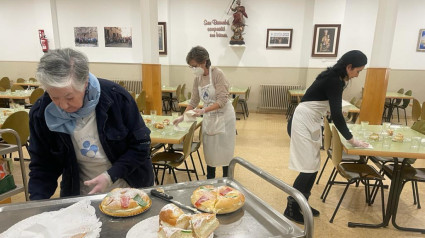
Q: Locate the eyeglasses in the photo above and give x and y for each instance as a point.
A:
(191, 66)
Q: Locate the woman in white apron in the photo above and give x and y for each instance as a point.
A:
(305, 126)
(219, 120)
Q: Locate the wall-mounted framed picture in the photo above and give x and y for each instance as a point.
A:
(162, 38)
(279, 38)
(421, 41)
(326, 40)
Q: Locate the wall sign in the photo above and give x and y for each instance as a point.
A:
(216, 28)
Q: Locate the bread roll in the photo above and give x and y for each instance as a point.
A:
(173, 232)
(204, 224)
(172, 216)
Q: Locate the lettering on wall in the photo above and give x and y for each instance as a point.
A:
(216, 28)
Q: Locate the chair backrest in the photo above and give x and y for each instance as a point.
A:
(416, 110)
(18, 121)
(423, 111)
(5, 83)
(20, 80)
(178, 91)
(328, 135)
(182, 91)
(133, 94)
(141, 101)
(2, 89)
(189, 95)
(247, 93)
(353, 100)
(32, 79)
(358, 104)
(187, 142)
(36, 94)
(235, 102)
(398, 101)
(336, 148)
(419, 126)
(406, 101)
(16, 87)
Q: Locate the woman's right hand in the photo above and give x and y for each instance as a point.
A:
(358, 143)
(178, 120)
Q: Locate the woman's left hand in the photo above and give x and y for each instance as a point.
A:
(100, 183)
(199, 112)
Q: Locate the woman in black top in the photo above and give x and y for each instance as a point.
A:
(306, 135)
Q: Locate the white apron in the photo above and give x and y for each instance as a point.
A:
(218, 129)
(306, 136)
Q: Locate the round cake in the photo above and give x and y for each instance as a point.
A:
(219, 200)
(124, 202)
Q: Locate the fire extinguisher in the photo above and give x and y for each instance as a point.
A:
(43, 41)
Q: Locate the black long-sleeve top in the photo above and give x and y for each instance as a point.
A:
(330, 88)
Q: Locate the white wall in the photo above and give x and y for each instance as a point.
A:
(410, 19)
(19, 24)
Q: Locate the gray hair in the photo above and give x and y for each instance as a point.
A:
(63, 67)
(200, 55)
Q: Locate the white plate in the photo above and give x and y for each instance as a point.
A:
(148, 227)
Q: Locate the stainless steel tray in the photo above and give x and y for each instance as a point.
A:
(263, 220)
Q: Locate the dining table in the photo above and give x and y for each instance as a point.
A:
(234, 90)
(28, 84)
(18, 94)
(396, 149)
(170, 134)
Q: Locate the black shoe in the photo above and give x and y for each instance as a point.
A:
(293, 212)
(315, 212)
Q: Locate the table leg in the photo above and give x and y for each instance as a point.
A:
(395, 196)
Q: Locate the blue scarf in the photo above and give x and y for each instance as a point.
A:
(61, 121)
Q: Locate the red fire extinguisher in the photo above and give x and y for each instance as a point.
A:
(43, 41)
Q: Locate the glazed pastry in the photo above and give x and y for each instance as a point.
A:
(124, 202)
(221, 200)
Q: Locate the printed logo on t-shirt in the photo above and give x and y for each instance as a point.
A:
(205, 95)
(89, 150)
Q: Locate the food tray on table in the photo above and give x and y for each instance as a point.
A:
(254, 219)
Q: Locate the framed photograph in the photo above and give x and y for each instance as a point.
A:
(118, 37)
(421, 40)
(279, 38)
(85, 36)
(162, 38)
(326, 40)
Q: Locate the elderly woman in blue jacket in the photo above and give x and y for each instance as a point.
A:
(86, 129)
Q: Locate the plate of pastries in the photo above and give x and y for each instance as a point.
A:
(398, 137)
(172, 222)
(125, 202)
(217, 200)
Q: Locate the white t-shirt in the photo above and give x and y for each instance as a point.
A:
(91, 157)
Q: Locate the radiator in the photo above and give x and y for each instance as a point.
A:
(276, 97)
(130, 85)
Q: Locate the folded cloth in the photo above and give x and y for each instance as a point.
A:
(77, 219)
(189, 116)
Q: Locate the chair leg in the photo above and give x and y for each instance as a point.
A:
(339, 203)
(398, 115)
(194, 168)
(323, 168)
(414, 192)
(200, 161)
(174, 174)
(405, 118)
(329, 185)
(187, 170)
(246, 108)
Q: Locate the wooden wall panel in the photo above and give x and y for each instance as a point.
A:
(151, 81)
(375, 88)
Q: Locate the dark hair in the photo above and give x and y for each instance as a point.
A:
(199, 54)
(355, 57)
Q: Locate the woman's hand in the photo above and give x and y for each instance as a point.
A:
(358, 143)
(178, 120)
(199, 112)
(100, 183)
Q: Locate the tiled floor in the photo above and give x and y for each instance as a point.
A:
(263, 141)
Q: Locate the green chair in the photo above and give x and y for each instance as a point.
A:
(416, 110)
(35, 95)
(194, 148)
(5, 83)
(403, 106)
(141, 102)
(20, 80)
(423, 112)
(244, 104)
(18, 121)
(16, 87)
(32, 79)
(354, 172)
(171, 160)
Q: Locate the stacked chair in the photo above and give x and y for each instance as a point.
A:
(403, 106)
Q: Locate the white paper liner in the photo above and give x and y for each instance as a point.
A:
(76, 219)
